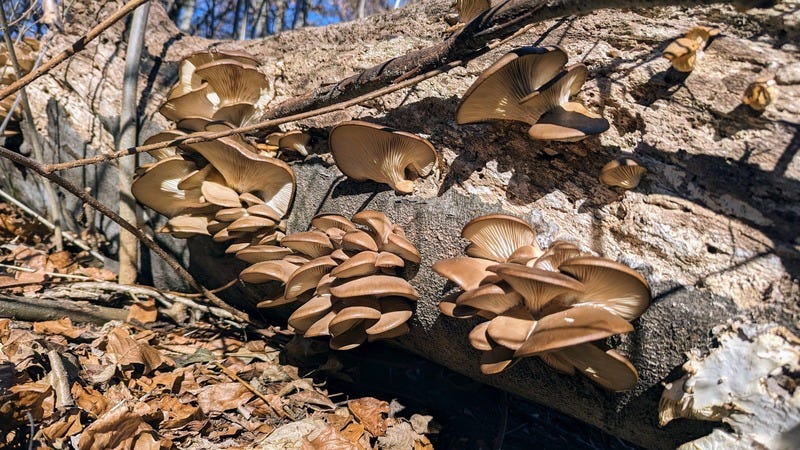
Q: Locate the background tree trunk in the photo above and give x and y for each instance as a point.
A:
(713, 225)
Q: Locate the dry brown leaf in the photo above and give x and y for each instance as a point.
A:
(353, 432)
(223, 397)
(96, 273)
(329, 439)
(423, 444)
(116, 429)
(36, 398)
(170, 380)
(311, 399)
(176, 413)
(61, 261)
(68, 425)
(62, 326)
(5, 330)
(369, 411)
(89, 400)
(127, 351)
(144, 311)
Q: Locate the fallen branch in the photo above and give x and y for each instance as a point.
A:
(144, 238)
(59, 379)
(76, 46)
(40, 309)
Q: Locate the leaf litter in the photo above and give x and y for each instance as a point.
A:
(150, 383)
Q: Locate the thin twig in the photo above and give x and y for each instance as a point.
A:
(76, 46)
(68, 236)
(144, 238)
(29, 130)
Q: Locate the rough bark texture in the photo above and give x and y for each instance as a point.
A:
(713, 226)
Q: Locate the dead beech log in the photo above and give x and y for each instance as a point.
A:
(39, 309)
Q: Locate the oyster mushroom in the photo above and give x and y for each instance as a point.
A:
(760, 94)
(531, 85)
(366, 151)
(684, 52)
(624, 172)
(470, 9)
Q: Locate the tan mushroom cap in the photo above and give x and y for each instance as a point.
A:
(230, 214)
(307, 276)
(498, 236)
(496, 360)
(311, 243)
(296, 141)
(157, 188)
(496, 94)
(233, 82)
(186, 225)
(366, 151)
(326, 221)
(377, 222)
(558, 252)
(310, 312)
(557, 362)
(169, 135)
(478, 338)
(377, 286)
(569, 122)
(266, 271)
(760, 94)
(257, 253)
(470, 9)
(495, 298)
(573, 326)
(623, 172)
(512, 328)
(610, 284)
(189, 81)
(320, 327)
(247, 172)
(608, 369)
(361, 264)
(395, 312)
(354, 311)
(468, 273)
(391, 333)
(219, 194)
(358, 241)
(537, 287)
(388, 260)
(350, 339)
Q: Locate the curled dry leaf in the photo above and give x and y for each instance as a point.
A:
(62, 326)
(370, 412)
(223, 397)
(143, 312)
(118, 428)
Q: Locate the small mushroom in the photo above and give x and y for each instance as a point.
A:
(684, 52)
(366, 151)
(376, 285)
(623, 172)
(498, 236)
(760, 94)
(470, 9)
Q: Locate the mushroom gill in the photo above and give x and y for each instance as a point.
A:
(553, 304)
(350, 280)
(531, 85)
(623, 172)
(366, 151)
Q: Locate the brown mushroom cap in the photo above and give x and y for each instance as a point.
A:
(470, 9)
(377, 286)
(361, 264)
(295, 141)
(624, 172)
(310, 312)
(311, 243)
(359, 241)
(608, 369)
(496, 360)
(537, 287)
(265, 271)
(468, 273)
(572, 327)
(366, 151)
(478, 338)
(512, 328)
(307, 276)
(377, 222)
(609, 284)
(496, 94)
(568, 122)
(354, 311)
(394, 313)
(326, 221)
(498, 236)
(495, 298)
(558, 252)
(257, 253)
(157, 188)
(760, 94)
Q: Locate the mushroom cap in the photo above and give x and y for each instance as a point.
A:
(295, 140)
(354, 311)
(270, 179)
(377, 286)
(538, 287)
(470, 9)
(157, 188)
(683, 53)
(233, 82)
(307, 276)
(572, 327)
(623, 172)
(257, 253)
(361, 264)
(320, 327)
(609, 284)
(760, 94)
(377, 222)
(391, 333)
(478, 338)
(169, 135)
(496, 360)
(186, 225)
(468, 273)
(394, 313)
(568, 122)
(606, 368)
(498, 236)
(495, 298)
(359, 241)
(496, 94)
(310, 312)
(266, 271)
(311, 243)
(512, 328)
(558, 252)
(327, 221)
(402, 247)
(350, 339)
(189, 81)
(366, 151)
(219, 194)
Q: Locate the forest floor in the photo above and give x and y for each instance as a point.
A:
(152, 370)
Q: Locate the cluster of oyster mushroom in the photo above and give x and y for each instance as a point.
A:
(26, 52)
(223, 188)
(552, 303)
(347, 274)
(532, 85)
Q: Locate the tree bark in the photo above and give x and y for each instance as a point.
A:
(712, 226)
